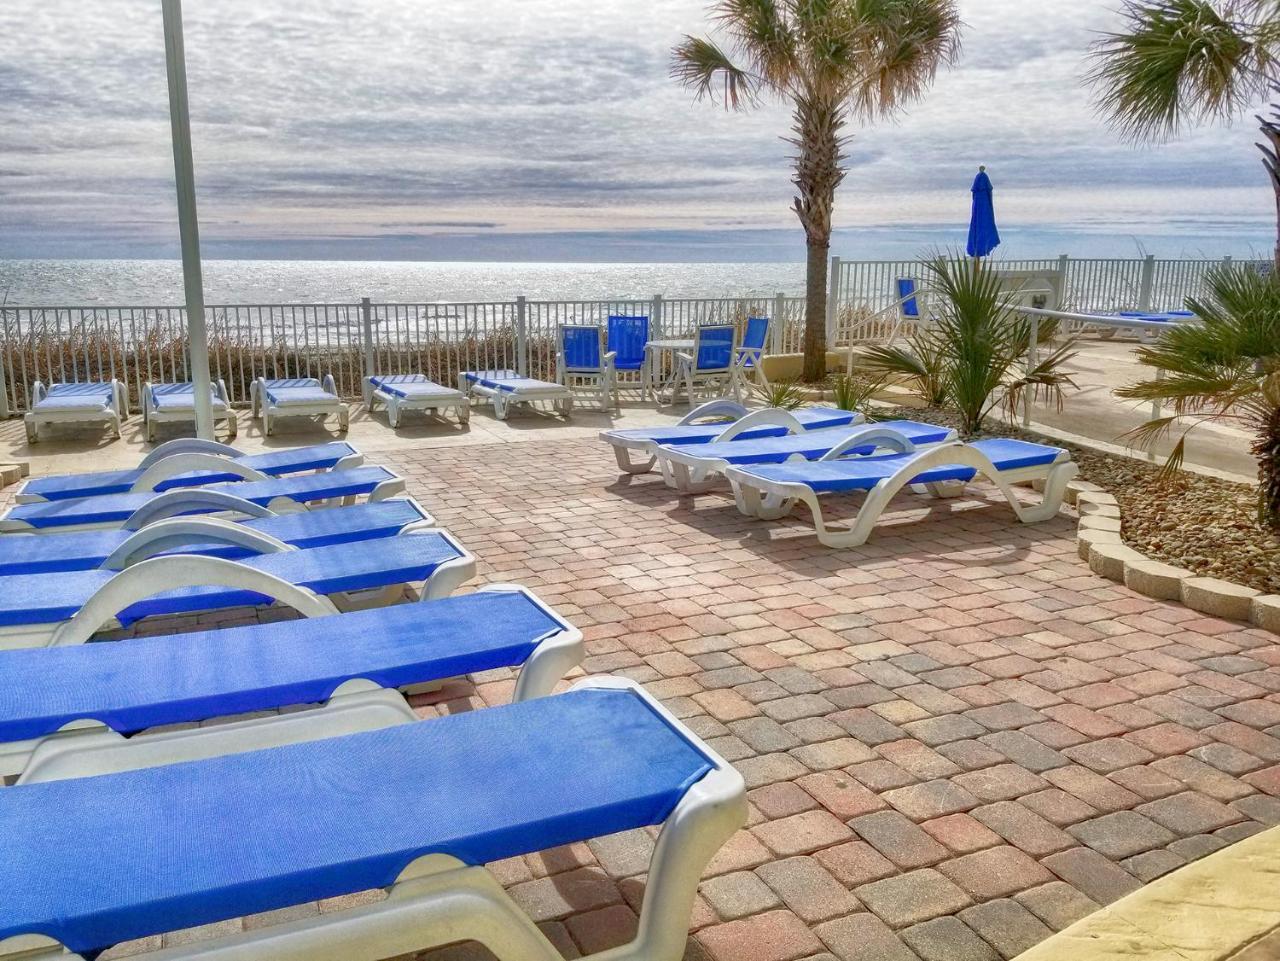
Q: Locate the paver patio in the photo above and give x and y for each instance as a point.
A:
(957, 739)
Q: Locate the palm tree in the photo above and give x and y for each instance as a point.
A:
(832, 61)
(972, 358)
(1226, 368)
(1176, 61)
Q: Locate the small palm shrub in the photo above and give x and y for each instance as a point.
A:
(1226, 369)
(855, 391)
(783, 394)
(973, 357)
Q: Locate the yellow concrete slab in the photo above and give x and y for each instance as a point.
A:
(1222, 908)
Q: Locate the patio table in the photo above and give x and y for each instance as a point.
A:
(656, 353)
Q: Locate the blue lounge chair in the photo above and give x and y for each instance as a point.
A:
(909, 312)
(69, 607)
(170, 466)
(402, 392)
(209, 536)
(253, 498)
(416, 807)
(105, 691)
(696, 467)
(506, 389)
(710, 422)
(583, 364)
(176, 404)
(748, 357)
(771, 490)
(99, 402)
(273, 398)
(625, 339)
(709, 364)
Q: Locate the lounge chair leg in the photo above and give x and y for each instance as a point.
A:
(33, 429)
(623, 457)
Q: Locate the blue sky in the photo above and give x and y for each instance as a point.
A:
(549, 129)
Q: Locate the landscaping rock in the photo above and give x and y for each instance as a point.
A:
(1156, 579)
(1218, 598)
(1264, 611)
(1109, 560)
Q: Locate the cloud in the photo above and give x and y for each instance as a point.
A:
(327, 123)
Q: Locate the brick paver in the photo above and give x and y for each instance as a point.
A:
(956, 737)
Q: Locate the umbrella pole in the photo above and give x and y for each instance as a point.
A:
(188, 224)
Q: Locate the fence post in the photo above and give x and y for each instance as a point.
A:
(776, 331)
(1031, 364)
(1147, 283)
(1063, 261)
(522, 336)
(655, 317)
(366, 328)
(5, 412)
(833, 298)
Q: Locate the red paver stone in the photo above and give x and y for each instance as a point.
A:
(773, 936)
(995, 873)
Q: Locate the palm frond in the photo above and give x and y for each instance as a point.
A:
(909, 41)
(700, 65)
(763, 35)
(1178, 60)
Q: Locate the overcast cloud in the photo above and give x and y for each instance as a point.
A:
(549, 129)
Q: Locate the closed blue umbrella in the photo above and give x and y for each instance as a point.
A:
(983, 236)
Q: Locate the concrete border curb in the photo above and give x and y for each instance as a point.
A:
(1098, 541)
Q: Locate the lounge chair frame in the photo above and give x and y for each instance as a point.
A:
(157, 575)
(111, 416)
(439, 900)
(270, 413)
(769, 499)
(624, 446)
(396, 406)
(560, 396)
(748, 360)
(87, 746)
(153, 416)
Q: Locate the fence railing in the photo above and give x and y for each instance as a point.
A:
(148, 343)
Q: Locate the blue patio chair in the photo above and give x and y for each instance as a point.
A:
(749, 354)
(582, 363)
(708, 364)
(626, 337)
(909, 309)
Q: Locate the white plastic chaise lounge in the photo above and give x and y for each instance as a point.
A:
(105, 403)
(273, 398)
(352, 664)
(707, 423)
(402, 392)
(694, 468)
(415, 808)
(190, 462)
(176, 404)
(33, 607)
(506, 388)
(254, 498)
(211, 537)
(770, 491)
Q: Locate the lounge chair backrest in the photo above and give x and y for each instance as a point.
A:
(580, 347)
(627, 337)
(909, 306)
(757, 332)
(713, 347)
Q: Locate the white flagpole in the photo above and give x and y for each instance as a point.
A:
(188, 225)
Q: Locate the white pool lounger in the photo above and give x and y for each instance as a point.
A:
(693, 468)
(718, 420)
(402, 392)
(103, 403)
(506, 388)
(173, 464)
(297, 397)
(415, 808)
(770, 491)
(176, 404)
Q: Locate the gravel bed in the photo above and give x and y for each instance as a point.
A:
(1196, 522)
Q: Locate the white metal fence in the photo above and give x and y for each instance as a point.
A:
(138, 344)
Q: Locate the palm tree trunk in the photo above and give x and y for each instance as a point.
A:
(1267, 449)
(815, 313)
(817, 124)
(1271, 160)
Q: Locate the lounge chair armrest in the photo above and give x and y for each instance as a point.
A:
(161, 574)
(173, 533)
(874, 436)
(329, 385)
(188, 445)
(177, 464)
(713, 408)
(767, 417)
(38, 392)
(220, 388)
(147, 400)
(121, 398)
(190, 500)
